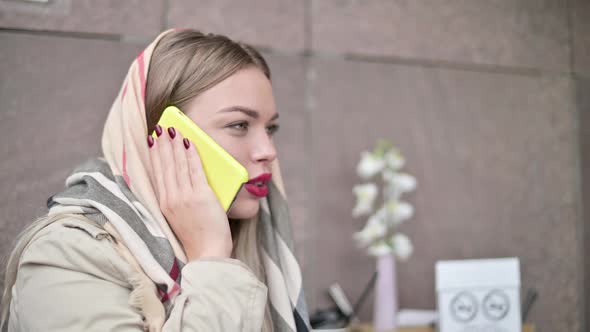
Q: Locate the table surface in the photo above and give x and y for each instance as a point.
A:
(369, 328)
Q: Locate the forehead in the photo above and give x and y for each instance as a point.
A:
(248, 87)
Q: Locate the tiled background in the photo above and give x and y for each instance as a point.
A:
(487, 99)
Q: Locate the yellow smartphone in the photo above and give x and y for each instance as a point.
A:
(225, 175)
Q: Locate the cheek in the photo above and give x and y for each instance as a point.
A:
(237, 147)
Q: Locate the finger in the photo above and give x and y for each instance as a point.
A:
(196, 171)
(182, 173)
(155, 157)
(168, 162)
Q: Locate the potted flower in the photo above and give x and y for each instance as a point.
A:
(379, 236)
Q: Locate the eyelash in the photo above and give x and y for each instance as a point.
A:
(272, 129)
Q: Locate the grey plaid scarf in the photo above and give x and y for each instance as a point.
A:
(94, 192)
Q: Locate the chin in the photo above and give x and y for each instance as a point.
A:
(244, 208)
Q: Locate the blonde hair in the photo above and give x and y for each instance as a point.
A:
(184, 64)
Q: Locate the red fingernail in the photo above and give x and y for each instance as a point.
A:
(150, 140)
(158, 130)
(187, 144)
(171, 132)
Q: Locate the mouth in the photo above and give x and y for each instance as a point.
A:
(258, 186)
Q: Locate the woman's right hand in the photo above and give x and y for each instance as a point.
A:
(185, 197)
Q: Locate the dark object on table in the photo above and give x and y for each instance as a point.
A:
(531, 297)
(334, 317)
(328, 318)
(364, 294)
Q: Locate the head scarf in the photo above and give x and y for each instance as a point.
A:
(117, 191)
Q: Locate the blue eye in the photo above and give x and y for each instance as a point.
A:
(272, 129)
(239, 125)
(243, 126)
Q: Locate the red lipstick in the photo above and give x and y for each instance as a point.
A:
(258, 186)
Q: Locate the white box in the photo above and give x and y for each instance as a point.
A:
(479, 295)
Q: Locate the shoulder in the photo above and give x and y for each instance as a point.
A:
(78, 244)
(70, 278)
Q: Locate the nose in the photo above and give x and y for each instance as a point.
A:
(264, 149)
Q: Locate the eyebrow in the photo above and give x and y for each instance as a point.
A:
(248, 111)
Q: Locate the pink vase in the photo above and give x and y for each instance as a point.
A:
(385, 308)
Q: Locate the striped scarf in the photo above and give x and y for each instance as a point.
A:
(116, 192)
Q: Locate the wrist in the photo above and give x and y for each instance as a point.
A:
(208, 253)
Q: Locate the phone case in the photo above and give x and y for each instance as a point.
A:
(224, 174)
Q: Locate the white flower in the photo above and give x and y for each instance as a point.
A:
(402, 182)
(373, 230)
(381, 214)
(365, 196)
(378, 236)
(402, 246)
(391, 192)
(398, 211)
(393, 213)
(394, 159)
(379, 249)
(388, 175)
(369, 165)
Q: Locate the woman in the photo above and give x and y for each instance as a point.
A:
(138, 241)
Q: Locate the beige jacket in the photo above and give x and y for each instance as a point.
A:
(71, 278)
